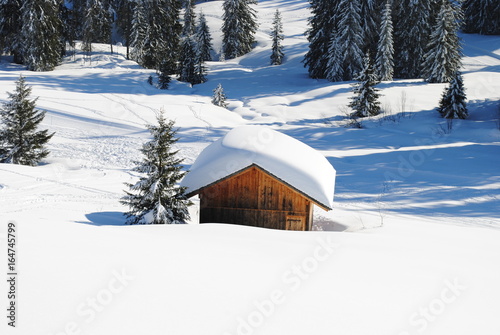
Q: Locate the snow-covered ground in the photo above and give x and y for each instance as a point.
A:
(418, 204)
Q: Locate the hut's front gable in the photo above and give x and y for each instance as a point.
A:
(255, 198)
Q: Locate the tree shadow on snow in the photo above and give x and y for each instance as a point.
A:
(105, 219)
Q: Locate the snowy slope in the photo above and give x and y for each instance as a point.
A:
(419, 203)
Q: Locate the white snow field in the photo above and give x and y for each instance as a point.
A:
(412, 245)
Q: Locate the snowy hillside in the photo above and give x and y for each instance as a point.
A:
(411, 246)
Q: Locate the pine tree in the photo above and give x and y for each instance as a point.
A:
(156, 198)
(124, 14)
(322, 24)
(443, 58)
(365, 101)
(10, 26)
(187, 61)
(412, 26)
(370, 23)
(219, 98)
(277, 36)
(482, 16)
(189, 18)
(139, 32)
(453, 102)
(384, 62)
(96, 24)
(350, 38)
(41, 35)
(203, 39)
(20, 141)
(334, 68)
(238, 27)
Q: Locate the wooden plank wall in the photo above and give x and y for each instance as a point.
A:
(253, 198)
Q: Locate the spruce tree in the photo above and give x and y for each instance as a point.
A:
(320, 35)
(10, 28)
(453, 102)
(187, 60)
(334, 68)
(203, 39)
(156, 198)
(219, 98)
(482, 16)
(412, 26)
(350, 38)
(238, 27)
(443, 58)
(189, 18)
(384, 62)
(139, 32)
(96, 24)
(20, 140)
(41, 35)
(365, 100)
(370, 23)
(277, 36)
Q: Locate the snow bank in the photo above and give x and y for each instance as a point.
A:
(288, 159)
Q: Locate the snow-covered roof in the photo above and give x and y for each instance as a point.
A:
(293, 162)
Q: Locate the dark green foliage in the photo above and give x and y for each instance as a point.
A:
(384, 62)
(20, 141)
(96, 24)
(156, 198)
(10, 28)
(322, 24)
(189, 25)
(443, 57)
(453, 102)
(238, 27)
(365, 100)
(482, 16)
(203, 39)
(277, 36)
(41, 35)
(219, 98)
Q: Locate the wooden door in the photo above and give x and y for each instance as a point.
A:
(295, 222)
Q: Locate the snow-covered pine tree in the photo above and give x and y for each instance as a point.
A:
(96, 24)
(365, 100)
(20, 140)
(124, 12)
(334, 68)
(187, 60)
(412, 26)
(350, 38)
(41, 35)
(219, 98)
(370, 24)
(10, 28)
(203, 39)
(156, 198)
(277, 36)
(482, 16)
(238, 27)
(189, 25)
(322, 24)
(443, 56)
(139, 32)
(384, 61)
(453, 102)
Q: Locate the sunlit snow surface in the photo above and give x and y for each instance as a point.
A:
(418, 204)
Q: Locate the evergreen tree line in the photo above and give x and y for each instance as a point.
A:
(406, 38)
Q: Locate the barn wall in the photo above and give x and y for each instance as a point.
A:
(253, 198)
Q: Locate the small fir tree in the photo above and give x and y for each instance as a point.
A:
(219, 98)
(277, 36)
(443, 58)
(384, 62)
(203, 39)
(20, 140)
(156, 198)
(365, 101)
(453, 102)
(187, 61)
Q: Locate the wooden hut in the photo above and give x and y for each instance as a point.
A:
(259, 177)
